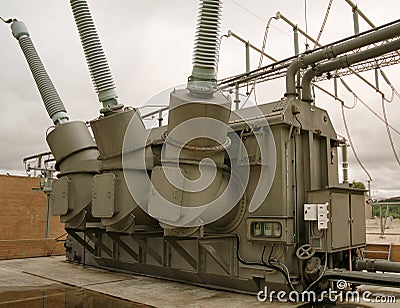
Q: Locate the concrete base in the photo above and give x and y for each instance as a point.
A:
(53, 273)
(52, 282)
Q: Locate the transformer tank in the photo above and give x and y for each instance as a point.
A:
(306, 172)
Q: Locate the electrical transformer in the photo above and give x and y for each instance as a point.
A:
(235, 199)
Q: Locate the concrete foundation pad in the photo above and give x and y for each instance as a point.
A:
(54, 272)
(52, 282)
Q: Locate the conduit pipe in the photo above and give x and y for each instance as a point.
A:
(332, 51)
(377, 265)
(343, 62)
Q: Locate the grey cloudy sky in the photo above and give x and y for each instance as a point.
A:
(149, 48)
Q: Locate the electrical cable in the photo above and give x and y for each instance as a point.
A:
(367, 106)
(323, 271)
(262, 54)
(385, 120)
(355, 101)
(269, 264)
(352, 145)
(283, 265)
(240, 258)
(320, 276)
(253, 88)
(390, 85)
(277, 262)
(323, 23)
(248, 11)
(234, 79)
(378, 116)
(394, 91)
(391, 98)
(312, 231)
(265, 40)
(262, 263)
(258, 17)
(351, 91)
(219, 42)
(298, 121)
(389, 133)
(7, 21)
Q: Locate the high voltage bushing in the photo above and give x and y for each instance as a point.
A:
(95, 57)
(206, 47)
(52, 101)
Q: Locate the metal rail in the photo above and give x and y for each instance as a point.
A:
(389, 280)
(231, 33)
(344, 62)
(278, 69)
(388, 59)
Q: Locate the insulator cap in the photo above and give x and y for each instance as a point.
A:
(19, 29)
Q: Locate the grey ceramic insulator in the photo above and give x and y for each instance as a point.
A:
(95, 57)
(205, 56)
(52, 101)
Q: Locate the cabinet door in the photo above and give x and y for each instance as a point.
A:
(357, 204)
(340, 231)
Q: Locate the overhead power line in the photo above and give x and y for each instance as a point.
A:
(258, 16)
(384, 119)
(358, 99)
(253, 88)
(328, 10)
(389, 133)
(394, 91)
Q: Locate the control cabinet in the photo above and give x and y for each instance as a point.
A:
(345, 223)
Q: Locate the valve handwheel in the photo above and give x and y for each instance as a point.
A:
(305, 252)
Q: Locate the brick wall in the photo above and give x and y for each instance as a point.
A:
(23, 220)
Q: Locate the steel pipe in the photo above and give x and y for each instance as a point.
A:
(332, 51)
(343, 62)
(377, 265)
(279, 15)
(230, 33)
(356, 9)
